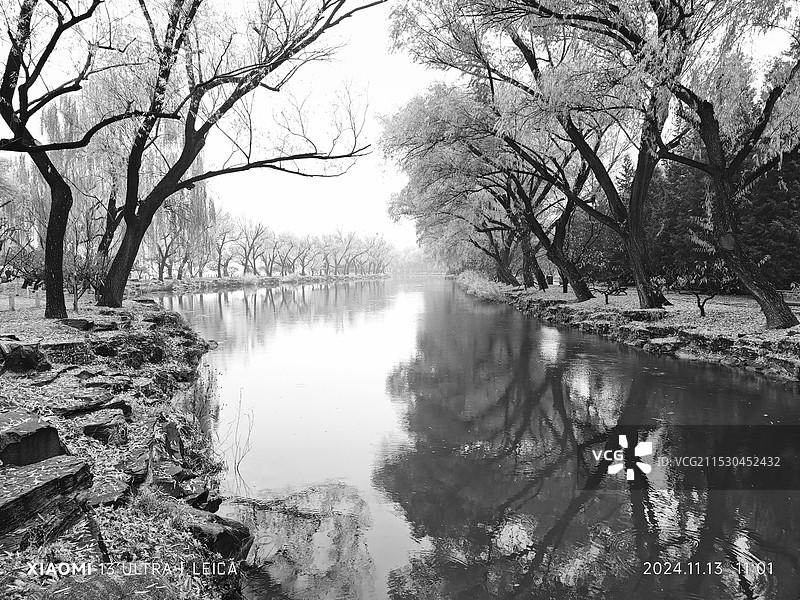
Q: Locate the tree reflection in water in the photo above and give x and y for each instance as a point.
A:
(500, 411)
(309, 545)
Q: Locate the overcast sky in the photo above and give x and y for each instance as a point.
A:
(357, 200)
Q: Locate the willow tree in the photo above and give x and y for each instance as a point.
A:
(691, 51)
(447, 155)
(746, 133)
(568, 74)
(209, 65)
(459, 161)
(53, 50)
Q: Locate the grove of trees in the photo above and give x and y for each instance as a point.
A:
(189, 237)
(623, 142)
(126, 96)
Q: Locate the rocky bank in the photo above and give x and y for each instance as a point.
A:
(732, 334)
(108, 483)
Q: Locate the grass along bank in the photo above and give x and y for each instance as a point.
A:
(106, 460)
(732, 333)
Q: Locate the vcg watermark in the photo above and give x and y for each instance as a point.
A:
(693, 457)
(617, 458)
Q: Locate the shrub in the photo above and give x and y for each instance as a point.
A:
(476, 284)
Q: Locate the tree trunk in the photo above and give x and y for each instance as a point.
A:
(528, 260)
(120, 269)
(60, 205)
(630, 218)
(778, 314)
(642, 272)
(555, 252)
(541, 280)
(504, 274)
(635, 240)
(112, 223)
(503, 257)
(570, 273)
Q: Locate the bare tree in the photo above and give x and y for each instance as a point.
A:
(287, 252)
(163, 239)
(307, 250)
(568, 84)
(270, 252)
(209, 73)
(223, 235)
(40, 34)
(15, 228)
(692, 52)
(249, 242)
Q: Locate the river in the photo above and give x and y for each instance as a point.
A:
(402, 440)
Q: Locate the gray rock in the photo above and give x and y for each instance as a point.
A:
(146, 301)
(173, 443)
(106, 493)
(230, 538)
(23, 357)
(137, 465)
(89, 325)
(206, 499)
(80, 324)
(92, 401)
(134, 349)
(107, 426)
(26, 439)
(50, 523)
(87, 374)
(168, 476)
(69, 353)
(663, 345)
(31, 489)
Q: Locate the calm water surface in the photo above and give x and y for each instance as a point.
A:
(401, 440)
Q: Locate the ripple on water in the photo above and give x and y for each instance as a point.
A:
(741, 565)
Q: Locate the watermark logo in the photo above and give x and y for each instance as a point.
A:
(691, 457)
(641, 450)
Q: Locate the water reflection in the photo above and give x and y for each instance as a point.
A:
(459, 437)
(501, 410)
(309, 544)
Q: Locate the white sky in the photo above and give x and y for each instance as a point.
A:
(357, 200)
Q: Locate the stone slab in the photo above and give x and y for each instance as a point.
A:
(28, 490)
(25, 438)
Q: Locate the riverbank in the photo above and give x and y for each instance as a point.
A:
(108, 479)
(732, 333)
(220, 284)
